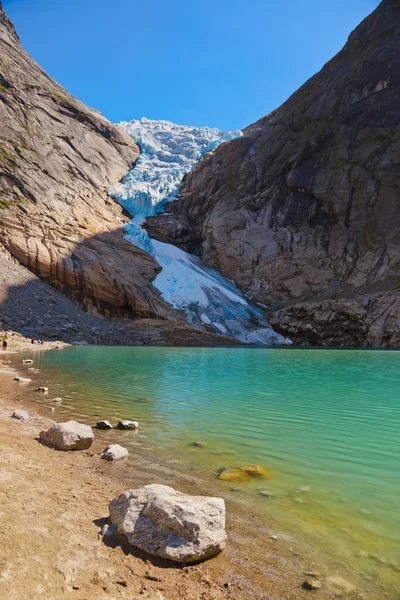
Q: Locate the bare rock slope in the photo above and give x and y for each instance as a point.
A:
(303, 211)
(58, 158)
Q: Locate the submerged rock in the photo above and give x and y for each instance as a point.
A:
(114, 452)
(21, 415)
(244, 473)
(128, 425)
(104, 425)
(42, 389)
(199, 445)
(57, 399)
(70, 435)
(170, 524)
(27, 361)
(233, 475)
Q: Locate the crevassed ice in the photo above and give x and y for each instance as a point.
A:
(168, 152)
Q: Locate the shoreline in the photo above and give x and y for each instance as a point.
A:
(232, 574)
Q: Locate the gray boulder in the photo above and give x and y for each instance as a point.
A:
(170, 524)
(104, 425)
(128, 425)
(70, 435)
(114, 452)
(21, 415)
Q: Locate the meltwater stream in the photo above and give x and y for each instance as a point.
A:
(168, 152)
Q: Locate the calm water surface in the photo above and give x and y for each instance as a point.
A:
(326, 422)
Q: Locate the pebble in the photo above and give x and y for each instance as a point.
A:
(57, 399)
(265, 493)
(312, 584)
(22, 379)
(199, 444)
(42, 389)
(273, 537)
(304, 489)
(236, 489)
(21, 415)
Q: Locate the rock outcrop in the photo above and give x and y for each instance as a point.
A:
(70, 435)
(170, 524)
(303, 211)
(58, 158)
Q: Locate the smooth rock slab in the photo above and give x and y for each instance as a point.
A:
(70, 435)
(170, 524)
(104, 425)
(114, 452)
(128, 425)
(21, 415)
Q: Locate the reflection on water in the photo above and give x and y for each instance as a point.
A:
(327, 424)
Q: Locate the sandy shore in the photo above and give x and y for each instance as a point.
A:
(54, 505)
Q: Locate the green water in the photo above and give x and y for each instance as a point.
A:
(327, 420)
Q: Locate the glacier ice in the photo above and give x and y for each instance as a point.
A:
(168, 152)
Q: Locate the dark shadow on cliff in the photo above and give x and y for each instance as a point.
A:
(101, 292)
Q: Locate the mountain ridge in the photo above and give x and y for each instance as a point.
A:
(303, 211)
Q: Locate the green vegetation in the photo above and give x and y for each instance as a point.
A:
(62, 99)
(4, 203)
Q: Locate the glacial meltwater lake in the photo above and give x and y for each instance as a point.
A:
(326, 422)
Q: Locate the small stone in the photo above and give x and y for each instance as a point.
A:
(27, 361)
(312, 584)
(52, 409)
(273, 537)
(304, 489)
(312, 574)
(128, 424)
(42, 389)
(108, 530)
(22, 379)
(299, 501)
(236, 489)
(104, 425)
(114, 452)
(57, 399)
(21, 415)
(199, 444)
(265, 493)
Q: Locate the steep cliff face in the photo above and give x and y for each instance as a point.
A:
(58, 159)
(303, 211)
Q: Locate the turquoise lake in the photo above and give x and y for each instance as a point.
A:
(325, 422)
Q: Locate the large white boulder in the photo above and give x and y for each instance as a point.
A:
(114, 452)
(170, 524)
(68, 436)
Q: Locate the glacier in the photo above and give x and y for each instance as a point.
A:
(168, 152)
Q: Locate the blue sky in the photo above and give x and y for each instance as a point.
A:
(222, 63)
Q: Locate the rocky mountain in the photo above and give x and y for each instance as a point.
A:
(303, 211)
(58, 159)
